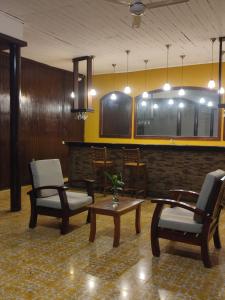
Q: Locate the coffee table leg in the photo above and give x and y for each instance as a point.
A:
(138, 219)
(93, 226)
(116, 241)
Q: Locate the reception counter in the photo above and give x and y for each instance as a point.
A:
(168, 166)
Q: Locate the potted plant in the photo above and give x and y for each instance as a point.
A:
(117, 185)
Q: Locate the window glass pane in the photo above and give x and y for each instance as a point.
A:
(116, 111)
(157, 118)
(165, 113)
(187, 117)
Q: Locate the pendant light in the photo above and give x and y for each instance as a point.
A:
(202, 100)
(93, 90)
(181, 91)
(72, 95)
(127, 89)
(113, 95)
(171, 101)
(221, 91)
(211, 83)
(145, 94)
(167, 86)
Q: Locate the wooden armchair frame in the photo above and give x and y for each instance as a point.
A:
(210, 221)
(65, 212)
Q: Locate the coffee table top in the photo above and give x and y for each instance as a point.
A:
(125, 204)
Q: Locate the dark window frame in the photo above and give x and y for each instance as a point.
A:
(101, 118)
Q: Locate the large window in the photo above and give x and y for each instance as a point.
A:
(115, 115)
(166, 114)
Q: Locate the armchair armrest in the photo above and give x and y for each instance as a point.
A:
(175, 203)
(48, 187)
(179, 193)
(85, 180)
(61, 192)
(89, 185)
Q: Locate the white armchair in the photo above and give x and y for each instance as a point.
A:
(187, 224)
(49, 196)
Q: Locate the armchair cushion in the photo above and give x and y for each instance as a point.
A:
(75, 201)
(180, 219)
(207, 191)
(47, 172)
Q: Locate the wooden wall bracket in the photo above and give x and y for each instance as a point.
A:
(87, 103)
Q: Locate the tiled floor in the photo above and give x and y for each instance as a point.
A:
(42, 264)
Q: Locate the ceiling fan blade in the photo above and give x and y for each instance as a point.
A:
(164, 3)
(121, 2)
(136, 21)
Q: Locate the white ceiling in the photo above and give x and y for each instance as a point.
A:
(58, 30)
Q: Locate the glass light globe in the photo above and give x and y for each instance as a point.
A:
(181, 105)
(211, 84)
(127, 90)
(72, 95)
(171, 102)
(181, 92)
(144, 103)
(167, 87)
(93, 92)
(221, 91)
(155, 106)
(145, 95)
(202, 101)
(113, 96)
(210, 104)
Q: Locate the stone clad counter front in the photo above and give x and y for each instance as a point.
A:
(168, 167)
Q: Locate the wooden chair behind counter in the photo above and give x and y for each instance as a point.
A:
(134, 172)
(100, 165)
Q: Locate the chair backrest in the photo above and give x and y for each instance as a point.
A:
(46, 172)
(99, 154)
(220, 200)
(131, 155)
(209, 193)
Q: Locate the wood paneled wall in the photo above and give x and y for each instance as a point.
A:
(45, 117)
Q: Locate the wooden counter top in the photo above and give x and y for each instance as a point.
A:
(146, 146)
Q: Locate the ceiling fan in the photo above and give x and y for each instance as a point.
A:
(137, 7)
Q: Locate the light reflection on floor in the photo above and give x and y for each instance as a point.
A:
(42, 264)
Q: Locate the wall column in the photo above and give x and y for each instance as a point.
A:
(15, 184)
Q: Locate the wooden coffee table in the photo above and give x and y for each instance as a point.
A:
(106, 207)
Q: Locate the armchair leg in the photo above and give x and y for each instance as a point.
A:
(155, 246)
(65, 225)
(154, 231)
(88, 217)
(33, 218)
(205, 254)
(216, 239)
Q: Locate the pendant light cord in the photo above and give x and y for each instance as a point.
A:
(114, 76)
(167, 66)
(93, 65)
(167, 63)
(146, 63)
(182, 68)
(212, 66)
(127, 52)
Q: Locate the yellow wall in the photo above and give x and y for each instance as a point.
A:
(195, 75)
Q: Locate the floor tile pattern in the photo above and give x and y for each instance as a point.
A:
(42, 264)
